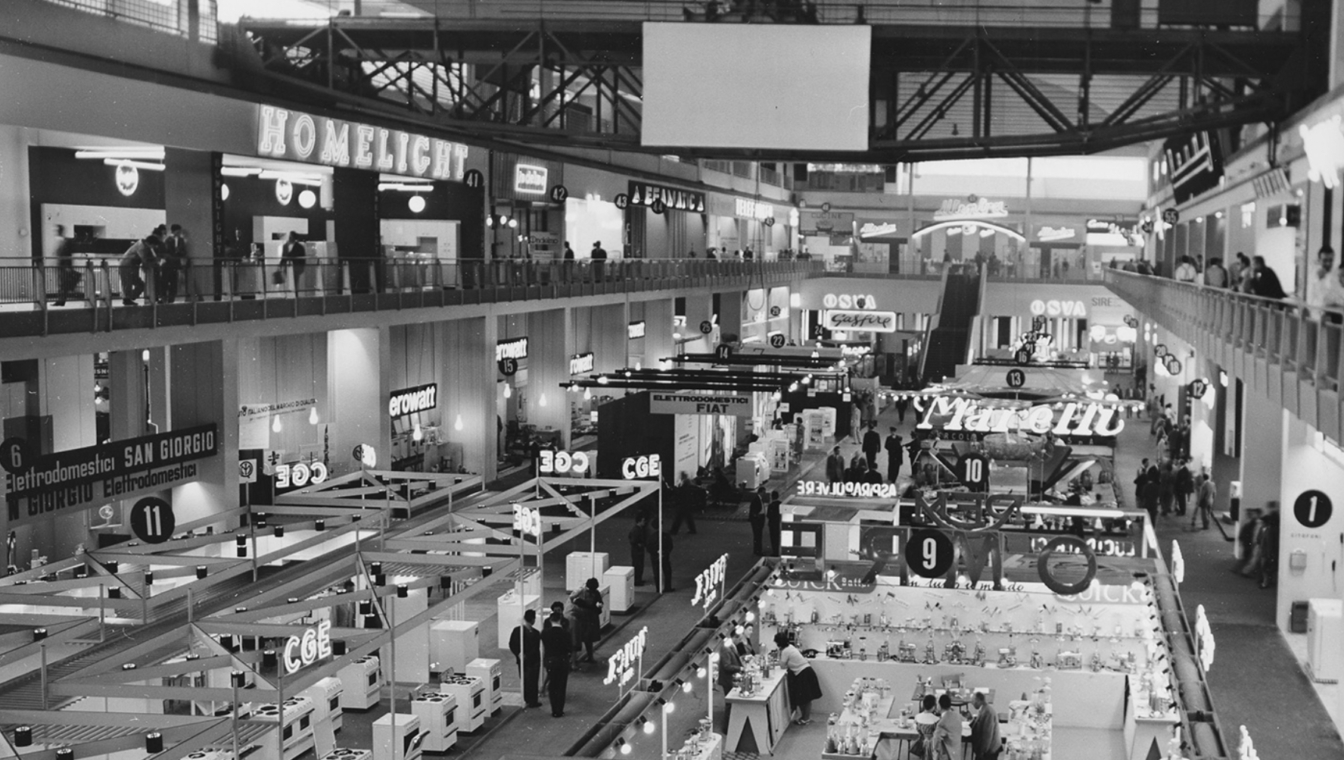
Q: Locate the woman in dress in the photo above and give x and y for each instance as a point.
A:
(925, 722)
(802, 681)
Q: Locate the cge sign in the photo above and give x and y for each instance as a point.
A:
(560, 462)
(650, 466)
(313, 645)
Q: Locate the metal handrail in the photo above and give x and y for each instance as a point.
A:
(1299, 337)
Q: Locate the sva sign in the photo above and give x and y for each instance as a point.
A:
(560, 462)
(621, 666)
(650, 466)
(1053, 308)
(313, 645)
(708, 581)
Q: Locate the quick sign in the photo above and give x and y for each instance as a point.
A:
(847, 301)
(97, 474)
(641, 467)
(581, 364)
(644, 194)
(634, 330)
(709, 580)
(699, 403)
(971, 208)
(297, 136)
(421, 398)
(1074, 419)
(313, 645)
(1053, 308)
(513, 348)
(528, 178)
(527, 520)
(561, 462)
(299, 474)
(849, 490)
(859, 321)
(623, 665)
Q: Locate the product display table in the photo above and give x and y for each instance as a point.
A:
(701, 747)
(759, 718)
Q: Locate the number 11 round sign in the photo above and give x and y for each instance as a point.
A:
(152, 520)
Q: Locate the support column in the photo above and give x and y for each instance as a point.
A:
(730, 313)
(65, 394)
(355, 207)
(467, 388)
(547, 367)
(203, 393)
(698, 309)
(357, 388)
(658, 331)
(1262, 447)
(188, 183)
(15, 208)
(127, 410)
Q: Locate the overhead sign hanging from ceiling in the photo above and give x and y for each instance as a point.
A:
(297, 136)
(691, 402)
(529, 179)
(421, 398)
(644, 194)
(859, 321)
(972, 207)
(1195, 164)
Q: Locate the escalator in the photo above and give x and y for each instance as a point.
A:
(948, 340)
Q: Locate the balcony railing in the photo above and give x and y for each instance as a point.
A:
(97, 294)
(1302, 340)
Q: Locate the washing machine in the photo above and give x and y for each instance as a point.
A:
(342, 753)
(326, 696)
(406, 736)
(360, 684)
(492, 676)
(298, 737)
(469, 691)
(438, 719)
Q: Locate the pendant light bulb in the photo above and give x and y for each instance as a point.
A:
(275, 424)
(542, 401)
(417, 434)
(312, 416)
(639, 366)
(508, 390)
(587, 394)
(457, 424)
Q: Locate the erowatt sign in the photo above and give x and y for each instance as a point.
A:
(297, 136)
(690, 402)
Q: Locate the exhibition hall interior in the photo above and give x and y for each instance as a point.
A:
(672, 380)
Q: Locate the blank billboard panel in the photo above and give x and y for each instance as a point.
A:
(756, 86)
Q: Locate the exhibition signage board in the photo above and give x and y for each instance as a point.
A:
(529, 179)
(849, 490)
(1075, 419)
(94, 475)
(511, 348)
(709, 581)
(313, 645)
(581, 364)
(970, 208)
(690, 402)
(297, 136)
(561, 462)
(624, 664)
(644, 194)
(635, 330)
(527, 520)
(421, 398)
(633, 468)
(254, 421)
(859, 320)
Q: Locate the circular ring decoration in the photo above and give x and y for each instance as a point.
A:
(1053, 583)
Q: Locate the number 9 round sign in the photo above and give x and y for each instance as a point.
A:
(929, 553)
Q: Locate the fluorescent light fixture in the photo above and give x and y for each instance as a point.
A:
(295, 179)
(150, 153)
(239, 171)
(403, 187)
(137, 164)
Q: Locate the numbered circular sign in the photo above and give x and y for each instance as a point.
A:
(723, 351)
(365, 455)
(658, 206)
(769, 221)
(152, 520)
(929, 553)
(474, 179)
(1313, 509)
(14, 455)
(559, 193)
(1038, 324)
(1016, 378)
(622, 201)
(508, 367)
(1147, 226)
(706, 327)
(1023, 356)
(973, 470)
(1173, 365)
(1198, 388)
(1161, 349)
(1171, 215)
(825, 208)
(774, 311)
(777, 340)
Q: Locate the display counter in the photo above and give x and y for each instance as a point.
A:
(758, 719)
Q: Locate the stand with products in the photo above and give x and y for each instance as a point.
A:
(759, 708)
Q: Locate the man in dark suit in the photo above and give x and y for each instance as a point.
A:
(525, 643)
(895, 455)
(559, 647)
(835, 466)
(872, 443)
(756, 516)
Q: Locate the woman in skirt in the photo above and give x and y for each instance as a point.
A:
(802, 681)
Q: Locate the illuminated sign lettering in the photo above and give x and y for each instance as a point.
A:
(708, 581)
(967, 414)
(644, 194)
(529, 179)
(313, 645)
(752, 209)
(421, 398)
(699, 403)
(297, 136)
(847, 301)
(971, 208)
(560, 462)
(1049, 234)
(622, 666)
(581, 363)
(634, 330)
(860, 321)
(847, 490)
(1053, 308)
(513, 348)
(870, 229)
(299, 475)
(527, 520)
(1324, 145)
(650, 466)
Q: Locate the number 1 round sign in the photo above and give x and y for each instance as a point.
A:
(152, 520)
(1313, 509)
(929, 553)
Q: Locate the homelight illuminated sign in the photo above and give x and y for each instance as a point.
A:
(528, 178)
(421, 398)
(297, 136)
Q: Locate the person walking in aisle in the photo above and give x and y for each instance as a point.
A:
(756, 516)
(774, 520)
(685, 499)
(835, 466)
(902, 404)
(985, 741)
(1185, 485)
(1167, 481)
(1207, 492)
(895, 455)
(525, 643)
(587, 618)
(636, 539)
(659, 557)
(872, 444)
(555, 638)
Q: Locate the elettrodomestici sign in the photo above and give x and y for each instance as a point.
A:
(690, 402)
(94, 475)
